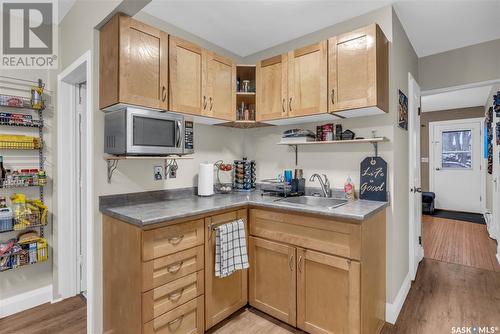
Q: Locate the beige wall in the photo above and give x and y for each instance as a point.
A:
(25, 279)
(475, 63)
(435, 116)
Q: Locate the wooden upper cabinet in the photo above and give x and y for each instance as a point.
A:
(272, 279)
(220, 87)
(307, 80)
(133, 64)
(272, 88)
(358, 75)
(223, 296)
(186, 68)
(328, 293)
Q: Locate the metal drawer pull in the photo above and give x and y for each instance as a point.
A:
(211, 103)
(174, 268)
(283, 105)
(300, 264)
(333, 94)
(170, 323)
(176, 240)
(290, 263)
(290, 104)
(204, 102)
(175, 296)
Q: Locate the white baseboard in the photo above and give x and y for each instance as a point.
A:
(392, 310)
(25, 301)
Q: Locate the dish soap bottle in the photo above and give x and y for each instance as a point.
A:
(349, 189)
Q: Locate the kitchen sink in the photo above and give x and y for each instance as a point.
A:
(329, 202)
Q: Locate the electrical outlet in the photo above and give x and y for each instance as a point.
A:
(172, 172)
(158, 173)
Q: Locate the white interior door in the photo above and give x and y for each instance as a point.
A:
(456, 176)
(415, 231)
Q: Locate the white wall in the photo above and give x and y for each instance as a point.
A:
(28, 278)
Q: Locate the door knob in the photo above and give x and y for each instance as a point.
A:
(437, 168)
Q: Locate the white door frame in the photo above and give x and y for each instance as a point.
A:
(482, 166)
(67, 263)
(416, 251)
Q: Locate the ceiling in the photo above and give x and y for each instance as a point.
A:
(247, 27)
(438, 26)
(463, 98)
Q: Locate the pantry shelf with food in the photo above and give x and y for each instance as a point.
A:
(25, 214)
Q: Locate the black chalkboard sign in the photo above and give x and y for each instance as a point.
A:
(373, 179)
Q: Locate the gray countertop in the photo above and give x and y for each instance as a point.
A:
(157, 210)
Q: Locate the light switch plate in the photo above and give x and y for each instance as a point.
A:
(158, 173)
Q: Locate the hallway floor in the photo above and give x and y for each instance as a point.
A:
(459, 242)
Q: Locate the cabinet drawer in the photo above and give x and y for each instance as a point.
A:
(167, 297)
(171, 267)
(171, 239)
(319, 234)
(185, 319)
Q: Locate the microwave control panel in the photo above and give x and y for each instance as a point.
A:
(188, 135)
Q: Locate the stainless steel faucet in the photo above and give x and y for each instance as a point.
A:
(325, 185)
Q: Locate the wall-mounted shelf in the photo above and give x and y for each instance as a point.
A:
(374, 141)
(112, 161)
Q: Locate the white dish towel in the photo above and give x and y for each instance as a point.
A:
(230, 248)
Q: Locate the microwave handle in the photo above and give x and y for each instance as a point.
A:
(178, 134)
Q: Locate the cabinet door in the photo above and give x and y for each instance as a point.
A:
(143, 69)
(353, 66)
(186, 63)
(223, 296)
(271, 80)
(220, 87)
(307, 80)
(272, 286)
(328, 293)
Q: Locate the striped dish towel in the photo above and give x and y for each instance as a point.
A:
(230, 248)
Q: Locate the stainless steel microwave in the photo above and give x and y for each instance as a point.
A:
(135, 131)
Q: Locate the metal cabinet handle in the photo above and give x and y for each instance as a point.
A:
(170, 323)
(300, 264)
(283, 105)
(174, 268)
(204, 102)
(333, 96)
(175, 240)
(290, 263)
(211, 103)
(163, 93)
(175, 296)
(290, 104)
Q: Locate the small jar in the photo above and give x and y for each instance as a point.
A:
(246, 86)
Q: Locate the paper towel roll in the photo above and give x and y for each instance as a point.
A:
(206, 179)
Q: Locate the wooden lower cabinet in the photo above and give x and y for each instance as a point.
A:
(328, 293)
(223, 296)
(272, 287)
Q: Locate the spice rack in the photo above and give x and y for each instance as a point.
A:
(36, 249)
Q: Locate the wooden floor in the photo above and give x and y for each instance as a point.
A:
(445, 295)
(462, 288)
(459, 242)
(66, 317)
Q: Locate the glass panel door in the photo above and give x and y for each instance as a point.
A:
(456, 149)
